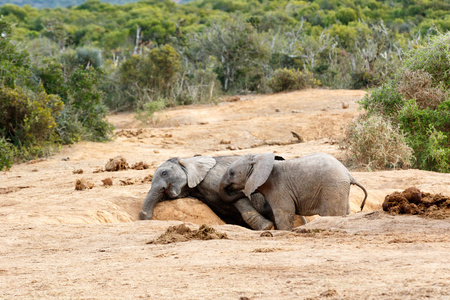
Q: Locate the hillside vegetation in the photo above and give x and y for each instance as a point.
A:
(62, 69)
(56, 3)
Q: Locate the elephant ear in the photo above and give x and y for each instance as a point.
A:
(196, 168)
(262, 166)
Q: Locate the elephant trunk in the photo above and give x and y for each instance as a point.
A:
(154, 196)
(227, 194)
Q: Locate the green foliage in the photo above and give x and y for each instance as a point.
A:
(375, 143)
(57, 3)
(428, 133)
(154, 72)
(346, 15)
(88, 57)
(419, 101)
(85, 100)
(239, 48)
(147, 113)
(44, 102)
(285, 80)
(28, 119)
(6, 154)
(384, 100)
(433, 59)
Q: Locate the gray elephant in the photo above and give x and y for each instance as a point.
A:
(199, 177)
(315, 184)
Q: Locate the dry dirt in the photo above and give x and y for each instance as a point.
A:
(59, 242)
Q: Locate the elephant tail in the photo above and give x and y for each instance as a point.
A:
(353, 181)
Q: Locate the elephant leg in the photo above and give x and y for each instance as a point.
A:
(251, 216)
(284, 216)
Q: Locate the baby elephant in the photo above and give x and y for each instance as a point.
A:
(315, 184)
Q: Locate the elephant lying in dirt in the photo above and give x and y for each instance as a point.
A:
(315, 184)
(199, 177)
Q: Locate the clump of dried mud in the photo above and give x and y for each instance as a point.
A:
(140, 166)
(120, 163)
(116, 164)
(182, 233)
(413, 201)
(107, 181)
(83, 184)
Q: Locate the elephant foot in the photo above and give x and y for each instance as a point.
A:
(267, 225)
(142, 215)
(257, 222)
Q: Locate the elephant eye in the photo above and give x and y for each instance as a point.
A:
(231, 173)
(164, 173)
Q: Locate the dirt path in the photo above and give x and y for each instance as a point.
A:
(57, 242)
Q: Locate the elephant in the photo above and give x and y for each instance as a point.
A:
(199, 177)
(315, 184)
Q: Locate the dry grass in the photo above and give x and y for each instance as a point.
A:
(373, 142)
(418, 85)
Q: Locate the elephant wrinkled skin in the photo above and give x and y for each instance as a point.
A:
(315, 184)
(199, 177)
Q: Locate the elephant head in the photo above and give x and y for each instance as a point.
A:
(173, 179)
(246, 174)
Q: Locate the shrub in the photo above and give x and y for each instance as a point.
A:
(88, 57)
(419, 85)
(364, 79)
(433, 59)
(418, 100)
(288, 79)
(6, 154)
(428, 133)
(85, 101)
(384, 100)
(374, 142)
(147, 113)
(28, 119)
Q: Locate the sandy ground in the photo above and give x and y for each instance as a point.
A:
(57, 242)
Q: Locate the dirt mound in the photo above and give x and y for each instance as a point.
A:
(116, 164)
(107, 181)
(83, 184)
(182, 233)
(413, 201)
(140, 166)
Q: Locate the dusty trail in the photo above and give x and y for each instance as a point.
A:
(57, 242)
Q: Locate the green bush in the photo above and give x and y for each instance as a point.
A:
(28, 119)
(374, 142)
(288, 79)
(428, 133)
(6, 154)
(364, 79)
(88, 56)
(147, 113)
(85, 102)
(433, 59)
(384, 100)
(418, 100)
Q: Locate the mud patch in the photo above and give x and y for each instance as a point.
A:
(116, 164)
(182, 233)
(413, 201)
